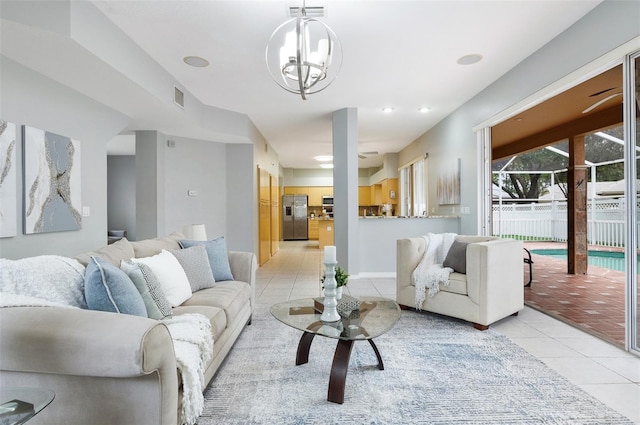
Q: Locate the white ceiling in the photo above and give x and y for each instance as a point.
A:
(396, 53)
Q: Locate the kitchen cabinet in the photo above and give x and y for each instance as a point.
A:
(315, 195)
(296, 190)
(325, 233)
(376, 194)
(389, 185)
(364, 195)
(313, 229)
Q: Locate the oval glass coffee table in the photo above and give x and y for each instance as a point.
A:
(374, 317)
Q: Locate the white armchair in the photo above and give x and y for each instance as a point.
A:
(491, 289)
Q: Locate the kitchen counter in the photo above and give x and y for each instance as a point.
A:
(411, 218)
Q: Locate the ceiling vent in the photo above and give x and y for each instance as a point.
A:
(312, 11)
(178, 97)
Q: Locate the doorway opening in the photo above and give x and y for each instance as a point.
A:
(530, 163)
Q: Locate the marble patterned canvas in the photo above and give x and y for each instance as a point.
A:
(52, 197)
(8, 183)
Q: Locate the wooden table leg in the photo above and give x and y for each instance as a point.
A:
(303, 348)
(339, 368)
(375, 349)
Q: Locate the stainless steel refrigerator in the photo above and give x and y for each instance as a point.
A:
(294, 217)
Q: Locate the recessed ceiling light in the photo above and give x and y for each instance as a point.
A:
(326, 165)
(469, 59)
(388, 109)
(196, 61)
(323, 158)
(424, 110)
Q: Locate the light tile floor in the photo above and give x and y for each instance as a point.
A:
(601, 369)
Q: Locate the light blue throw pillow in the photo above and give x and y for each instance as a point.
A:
(218, 257)
(107, 288)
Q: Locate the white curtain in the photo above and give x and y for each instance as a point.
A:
(413, 189)
(419, 206)
(405, 192)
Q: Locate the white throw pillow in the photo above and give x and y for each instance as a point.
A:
(173, 280)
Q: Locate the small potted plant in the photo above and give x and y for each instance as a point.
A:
(342, 278)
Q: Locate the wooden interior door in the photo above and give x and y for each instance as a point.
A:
(264, 223)
(275, 221)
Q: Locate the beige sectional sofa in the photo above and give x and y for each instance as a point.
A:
(492, 287)
(109, 368)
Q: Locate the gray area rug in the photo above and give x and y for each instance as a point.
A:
(437, 371)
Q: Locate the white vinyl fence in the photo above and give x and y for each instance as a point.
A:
(547, 221)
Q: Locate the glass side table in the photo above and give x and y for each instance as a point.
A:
(19, 404)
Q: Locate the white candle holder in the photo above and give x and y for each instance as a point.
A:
(330, 313)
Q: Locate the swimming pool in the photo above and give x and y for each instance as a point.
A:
(604, 259)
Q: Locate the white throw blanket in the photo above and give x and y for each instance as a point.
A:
(430, 273)
(193, 346)
(15, 300)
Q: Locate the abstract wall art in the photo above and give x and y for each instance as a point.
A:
(52, 197)
(449, 182)
(8, 183)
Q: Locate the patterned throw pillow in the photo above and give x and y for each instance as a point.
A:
(218, 257)
(158, 307)
(196, 265)
(173, 280)
(107, 288)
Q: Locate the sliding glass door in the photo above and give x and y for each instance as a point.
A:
(631, 128)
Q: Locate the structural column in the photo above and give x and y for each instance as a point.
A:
(345, 187)
(577, 208)
(150, 190)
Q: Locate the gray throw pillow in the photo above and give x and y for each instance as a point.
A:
(114, 253)
(158, 307)
(218, 257)
(195, 262)
(457, 257)
(107, 288)
(151, 247)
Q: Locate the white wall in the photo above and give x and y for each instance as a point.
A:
(585, 41)
(215, 169)
(200, 166)
(241, 202)
(32, 99)
(121, 194)
(377, 239)
(221, 175)
(308, 177)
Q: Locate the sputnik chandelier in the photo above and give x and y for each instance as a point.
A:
(291, 61)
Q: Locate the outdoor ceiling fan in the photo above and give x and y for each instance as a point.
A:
(602, 101)
(363, 155)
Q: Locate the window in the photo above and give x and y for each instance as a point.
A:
(413, 188)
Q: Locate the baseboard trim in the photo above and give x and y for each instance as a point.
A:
(369, 275)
